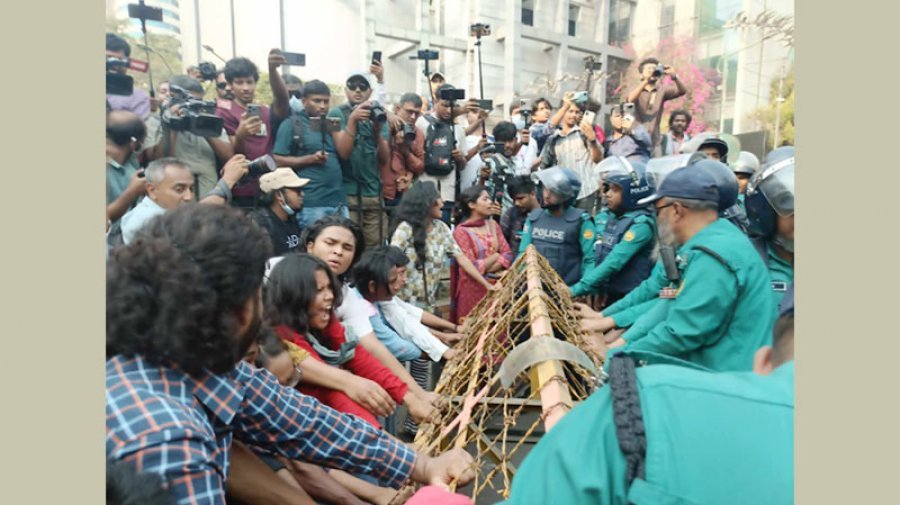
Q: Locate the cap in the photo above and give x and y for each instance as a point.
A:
(690, 182)
(362, 75)
(281, 178)
(437, 74)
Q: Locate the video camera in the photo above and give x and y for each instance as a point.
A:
(117, 82)
(378, 114)
(197, 116)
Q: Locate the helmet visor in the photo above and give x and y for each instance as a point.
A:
(659, 168)
(778, 187)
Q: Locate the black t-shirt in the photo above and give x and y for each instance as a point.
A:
(285, 234)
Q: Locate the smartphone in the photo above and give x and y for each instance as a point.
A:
(376, 56)
(589, 116)
(252, 110)
(628, 109)
(453, 94)
(329, 124)
(580, 97)
(296, 59)
(486, 105)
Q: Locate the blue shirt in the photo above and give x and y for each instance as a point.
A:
(180, 427)
(634, 146)
(402, 349)
(136, 218)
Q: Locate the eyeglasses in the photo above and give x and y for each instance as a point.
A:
(357, 86)
(221, 85)
(659, 209)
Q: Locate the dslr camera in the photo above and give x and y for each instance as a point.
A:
(197, 116)
(659, 70)
(409, 133)
(378, 114)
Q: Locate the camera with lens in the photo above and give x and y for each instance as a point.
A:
(409, 133)
(117, 82)
(526, 109)
(378, 114)
(261, 166)
(207, 70)
(197, 116)
(659, 70)
(499, 181)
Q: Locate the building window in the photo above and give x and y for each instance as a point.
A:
(621, 15)
(667, 19)
(528, 12)
(615, 71)
(573, 19)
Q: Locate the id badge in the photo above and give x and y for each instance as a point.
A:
(668, 293)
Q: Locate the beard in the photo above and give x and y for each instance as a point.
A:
(665, 234)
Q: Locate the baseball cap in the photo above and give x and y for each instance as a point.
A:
(690, 183)
(361, 75)
(437, 74)
(281, 178)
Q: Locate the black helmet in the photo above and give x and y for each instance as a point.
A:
(631, 176)
(770, 193)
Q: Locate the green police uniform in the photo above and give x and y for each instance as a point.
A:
(627, 310)
(781, 276)
(712, 438)
(636, 240)
(722, 312)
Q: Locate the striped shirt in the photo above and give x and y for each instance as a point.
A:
(166, 422)
(572, 151)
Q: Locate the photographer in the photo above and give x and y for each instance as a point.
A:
(407, 151)
(362, 146)
(251, 129)
(650, 95)
(499, 168)
(300, 147)
(575, 146)
(118, 54)
(629, 139)
(541, 129)
(202, 154)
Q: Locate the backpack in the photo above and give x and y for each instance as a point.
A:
(439, 144)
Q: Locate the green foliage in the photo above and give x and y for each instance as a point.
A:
(766, 115)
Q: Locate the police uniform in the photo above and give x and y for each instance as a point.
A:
(781, 272)
(721, 311)
(710, 438)
(566, 241)
(621, 255)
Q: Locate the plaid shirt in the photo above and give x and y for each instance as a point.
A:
(169, 423)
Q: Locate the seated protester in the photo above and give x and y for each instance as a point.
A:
(673, 433)
(313, 156)
(372, 278)
(562, 233)
(300, 297)
(524, 197)
(203, 155)
(339, 242)
(169, 184)
(499, 168)
(252, 135)
(421, 327)
(118, 53)
(575, 147)
(481, 240)
(282, 199)
(629, 138)
(622, 254)
(407, 151)
(181, 355)
(125, 133)
(362, 146)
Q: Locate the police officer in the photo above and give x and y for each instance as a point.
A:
(622, 254)
(770, 209)
(729, 189)
(672, 432)
(713, 146)
(721, 310)
(559, 231)
(744, 167)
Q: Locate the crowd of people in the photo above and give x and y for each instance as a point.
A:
(277, 285)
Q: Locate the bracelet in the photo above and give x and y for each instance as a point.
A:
(221, 190)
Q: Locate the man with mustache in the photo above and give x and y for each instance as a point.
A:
(184, 305)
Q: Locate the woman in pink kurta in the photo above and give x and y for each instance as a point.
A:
(481, 240)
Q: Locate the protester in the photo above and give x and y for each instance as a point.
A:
(622, 254)
(481, 240)
(674, 139)
(313, 156)
(562, 233)
(672, 433)
(223, 90)
(183, 307)
(541, 128)
(628, 139)
(575, 147)
(651, 94)
(125, 134)
(169, 183)
(203, 155)
(523, 194)
(300, 297)
(139, 100)
(252, 135)
(362, 146)
(407, 146)
(281, 201)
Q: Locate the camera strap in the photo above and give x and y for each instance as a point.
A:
(297, 134)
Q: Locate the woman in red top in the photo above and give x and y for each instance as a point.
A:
(482, 241)
(300, 297)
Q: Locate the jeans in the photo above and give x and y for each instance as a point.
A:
(309, 215)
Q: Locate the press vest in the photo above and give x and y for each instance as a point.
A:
(638, 267)
(558, 240)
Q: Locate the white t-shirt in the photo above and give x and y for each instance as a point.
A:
(406, 319)
(355, 311)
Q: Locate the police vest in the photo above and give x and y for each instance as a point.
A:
(638, 268)
(559, 240)
(762, 249)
